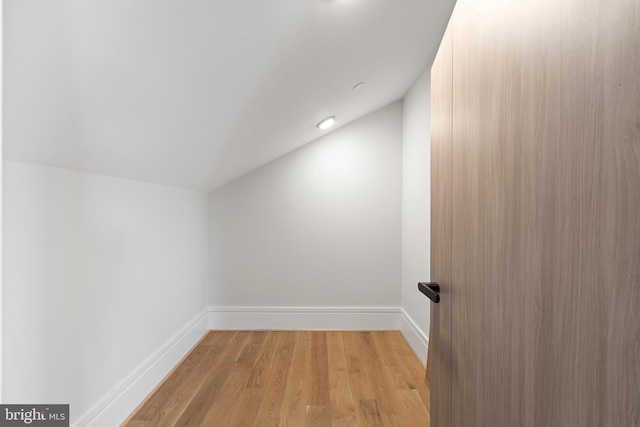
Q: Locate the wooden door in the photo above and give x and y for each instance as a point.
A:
(440, 333)
(544, 282)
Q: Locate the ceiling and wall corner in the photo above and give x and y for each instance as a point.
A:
(319, 227)
(196, 93)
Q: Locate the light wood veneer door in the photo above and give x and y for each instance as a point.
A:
(440, 333)
(545, 201)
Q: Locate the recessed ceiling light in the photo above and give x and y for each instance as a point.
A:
(326, 123)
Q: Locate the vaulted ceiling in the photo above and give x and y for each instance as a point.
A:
(194, 93)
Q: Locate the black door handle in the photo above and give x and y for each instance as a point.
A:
(431, 290)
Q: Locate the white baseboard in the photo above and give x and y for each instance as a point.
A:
(305, 318)
(415, 337)
(118, 404)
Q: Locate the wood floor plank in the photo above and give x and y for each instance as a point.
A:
(318, 385)
(251, 397)
(246, 408)
(415, 413)
(170, 400)
(372, 417)
(383, 383)
(294, 408)
(400, 372)
(343, 411)
(358, 376)
(226, 348)
(222, 408)
(403, 357)
(196, 411)
(366, 407)
(269, 411)
(318, 416)
(291, 379)
(263, 363)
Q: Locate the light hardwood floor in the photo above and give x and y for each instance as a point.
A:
(297, 378)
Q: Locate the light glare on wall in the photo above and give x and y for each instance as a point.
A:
(336, 170)
(326, 123)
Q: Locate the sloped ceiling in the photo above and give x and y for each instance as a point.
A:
(194, 93)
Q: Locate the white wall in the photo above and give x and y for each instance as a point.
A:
(99, 274)
(416, 166)
(319, 227)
